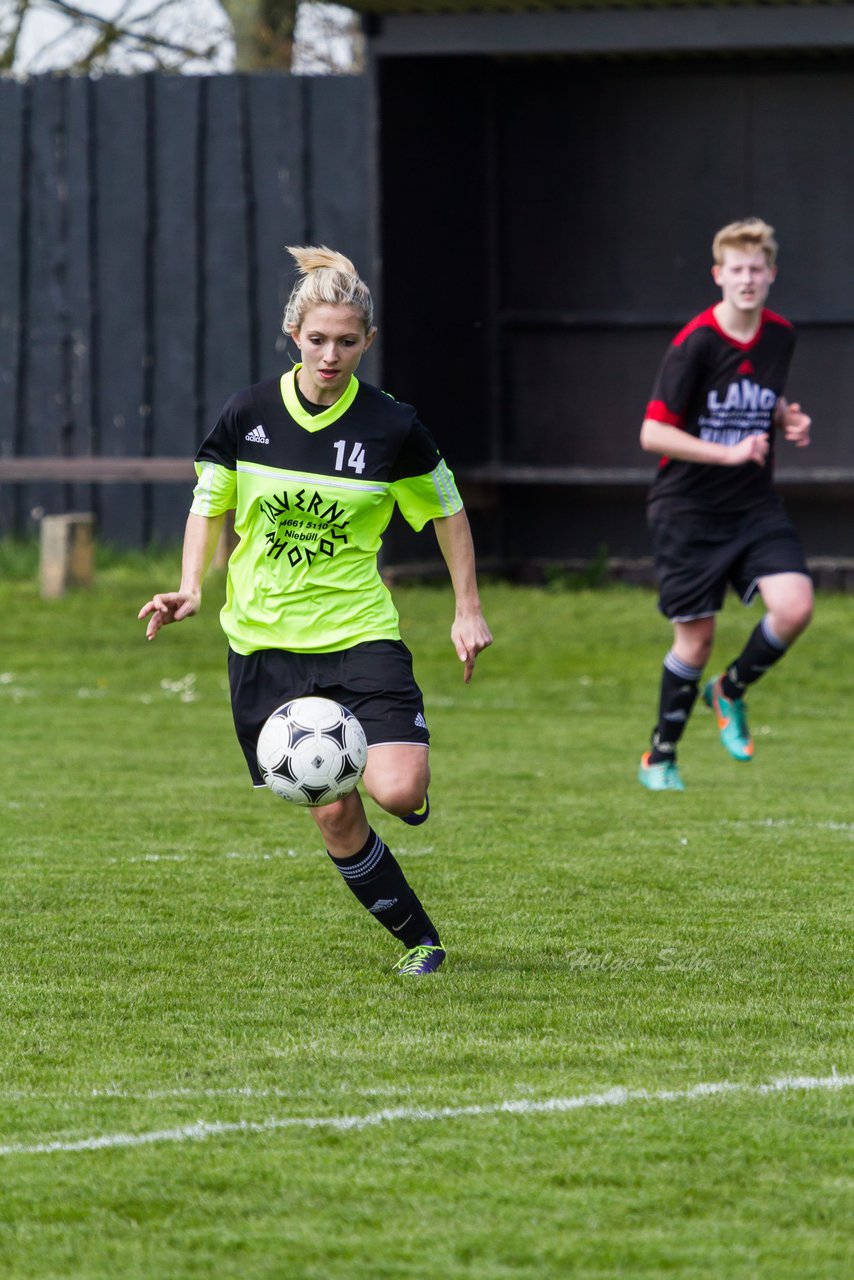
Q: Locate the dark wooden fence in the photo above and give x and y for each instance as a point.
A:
(142, 267)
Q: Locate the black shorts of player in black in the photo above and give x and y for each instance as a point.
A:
(715, 519)
(697, 557)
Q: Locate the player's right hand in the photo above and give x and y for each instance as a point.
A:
(470, 635)
(750, 449)
(169, 606)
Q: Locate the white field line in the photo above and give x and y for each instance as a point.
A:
(617, 1097)
(798, 823)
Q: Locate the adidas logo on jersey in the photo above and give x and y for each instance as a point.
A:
(257, 436)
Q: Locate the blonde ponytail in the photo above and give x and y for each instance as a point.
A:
(325, 277)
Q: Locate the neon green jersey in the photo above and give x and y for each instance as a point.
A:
(312, 496)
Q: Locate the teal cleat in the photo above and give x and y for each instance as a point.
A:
(731, 715)
(663, 776)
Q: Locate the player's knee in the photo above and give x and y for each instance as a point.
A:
(399, 796)
(799, 616)
(793, 616)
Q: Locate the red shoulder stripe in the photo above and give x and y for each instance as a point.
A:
(705, 320)
(659, 412)
(771, 317)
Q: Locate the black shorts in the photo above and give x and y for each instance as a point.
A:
(698, 556)
(374, 680)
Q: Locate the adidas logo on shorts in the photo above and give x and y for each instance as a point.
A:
(420, 722)
(257, 436)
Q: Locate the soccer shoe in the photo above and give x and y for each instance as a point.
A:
(731, 716)
(422, 959)
(418, 815)
(663, 776)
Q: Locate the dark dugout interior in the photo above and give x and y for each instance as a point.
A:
(546, 228)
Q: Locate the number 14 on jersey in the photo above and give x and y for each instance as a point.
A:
(356, 461)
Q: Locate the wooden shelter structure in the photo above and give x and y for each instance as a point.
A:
(551, 176)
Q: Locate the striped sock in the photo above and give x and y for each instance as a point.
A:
(374, 876)
(762, 650)
(680, 683)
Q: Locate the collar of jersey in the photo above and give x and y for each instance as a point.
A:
(765, 315)
(315, 421)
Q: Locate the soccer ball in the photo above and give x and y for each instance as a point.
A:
(312, 751)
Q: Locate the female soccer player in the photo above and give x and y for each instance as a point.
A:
(312, 464)
(713, 512)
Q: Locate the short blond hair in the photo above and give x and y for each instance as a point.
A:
(325, 277)
(747, 235)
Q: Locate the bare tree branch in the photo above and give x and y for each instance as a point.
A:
(126, 36)
(10, 49)
(84, 36)
(329, 40)
(115, 29)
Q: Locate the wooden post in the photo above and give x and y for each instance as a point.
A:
(67, 553)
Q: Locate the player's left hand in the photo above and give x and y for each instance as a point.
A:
(796, 426)
(469, 636)
(169, 606)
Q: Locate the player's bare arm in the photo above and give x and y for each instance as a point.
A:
(469, 632)
(673, 442)
(793, 422)
(200, 539)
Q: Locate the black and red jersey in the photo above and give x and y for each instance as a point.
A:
(719, 389)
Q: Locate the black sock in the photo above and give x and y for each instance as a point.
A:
(679, 685)
(762, 650)
(374, 876)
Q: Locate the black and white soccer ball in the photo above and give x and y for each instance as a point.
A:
(312, 751)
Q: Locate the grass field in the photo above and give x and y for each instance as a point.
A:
(636, 1062)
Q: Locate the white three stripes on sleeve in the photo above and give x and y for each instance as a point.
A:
(446, 489)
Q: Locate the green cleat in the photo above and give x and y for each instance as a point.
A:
(731, 715)
(663, 776)
(420, 960)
